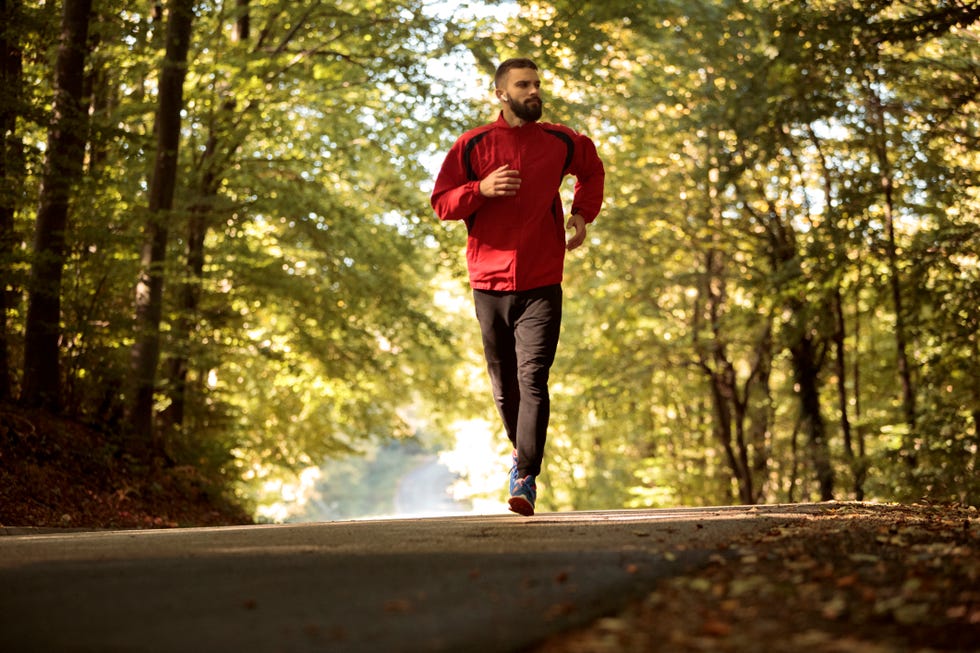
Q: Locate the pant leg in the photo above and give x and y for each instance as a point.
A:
(494, 313)
(536, 331)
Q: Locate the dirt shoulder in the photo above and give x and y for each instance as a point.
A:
(57, 473)
(855, 578)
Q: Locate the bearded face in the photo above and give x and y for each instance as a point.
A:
(529, 110)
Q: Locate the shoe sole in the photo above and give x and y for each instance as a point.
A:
(521, 506)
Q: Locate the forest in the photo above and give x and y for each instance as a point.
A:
(217, 249)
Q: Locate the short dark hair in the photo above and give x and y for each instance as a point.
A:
(510, 64)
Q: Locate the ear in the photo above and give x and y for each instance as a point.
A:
(501, 94)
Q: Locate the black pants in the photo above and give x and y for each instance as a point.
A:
(520, 337)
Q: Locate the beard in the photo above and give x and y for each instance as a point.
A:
(529, 111)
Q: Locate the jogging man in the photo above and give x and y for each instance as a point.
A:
(503, 180)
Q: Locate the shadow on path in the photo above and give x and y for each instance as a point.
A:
(446, 584)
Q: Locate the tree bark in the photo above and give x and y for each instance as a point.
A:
(880, 140)
(729, 411)
(859, 430)
(761, 411)
(806, 369)
(62, 169)
(145, 355)
(783, 257)
(198, 225)
(11, 165)
(189, 301)
(854, 459)
(242, 29)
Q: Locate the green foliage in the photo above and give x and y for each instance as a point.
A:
(313, 327)
(743, 155)
(756, 154)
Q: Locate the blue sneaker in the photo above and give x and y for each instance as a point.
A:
(523, 493)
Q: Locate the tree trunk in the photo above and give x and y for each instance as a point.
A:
(728, 411)
(62, 169)
(880, 140)
(145, 355)
(861, 473)
(101, 93)
(784, 259)
(242, 30)
(794, 470)
(761, 411)
(11, 165)
(806, 375)
(975, 456)
(197, 229)
(840, 372)
(856, 460)
(189, 300)
(722, 428)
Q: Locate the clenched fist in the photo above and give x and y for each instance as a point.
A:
(502, 182)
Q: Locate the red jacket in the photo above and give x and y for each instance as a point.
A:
(518, 243)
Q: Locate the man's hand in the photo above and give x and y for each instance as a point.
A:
(576, 222)
(502, 182)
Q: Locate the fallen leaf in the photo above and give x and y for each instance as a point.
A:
(863, 557)
(613, 624)
(956, 612)
(747, 585)
(560, 610)
(716, 628)
(911, 613)
(834, 608)
(398, 606)
(847, 581)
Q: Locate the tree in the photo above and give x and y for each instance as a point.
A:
(62, 170)
(298, 244)
(149, 288)
(11, 80)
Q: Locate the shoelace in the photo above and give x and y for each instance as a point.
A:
(523, 482)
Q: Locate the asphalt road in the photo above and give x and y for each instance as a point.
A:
(481, 583)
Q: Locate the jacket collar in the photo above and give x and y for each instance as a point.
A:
(502, 124)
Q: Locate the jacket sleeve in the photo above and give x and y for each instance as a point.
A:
(455, 196)
(590, 178)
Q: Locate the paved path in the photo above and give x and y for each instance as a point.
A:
(492, 583)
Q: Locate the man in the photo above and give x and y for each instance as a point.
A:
(503, 179)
